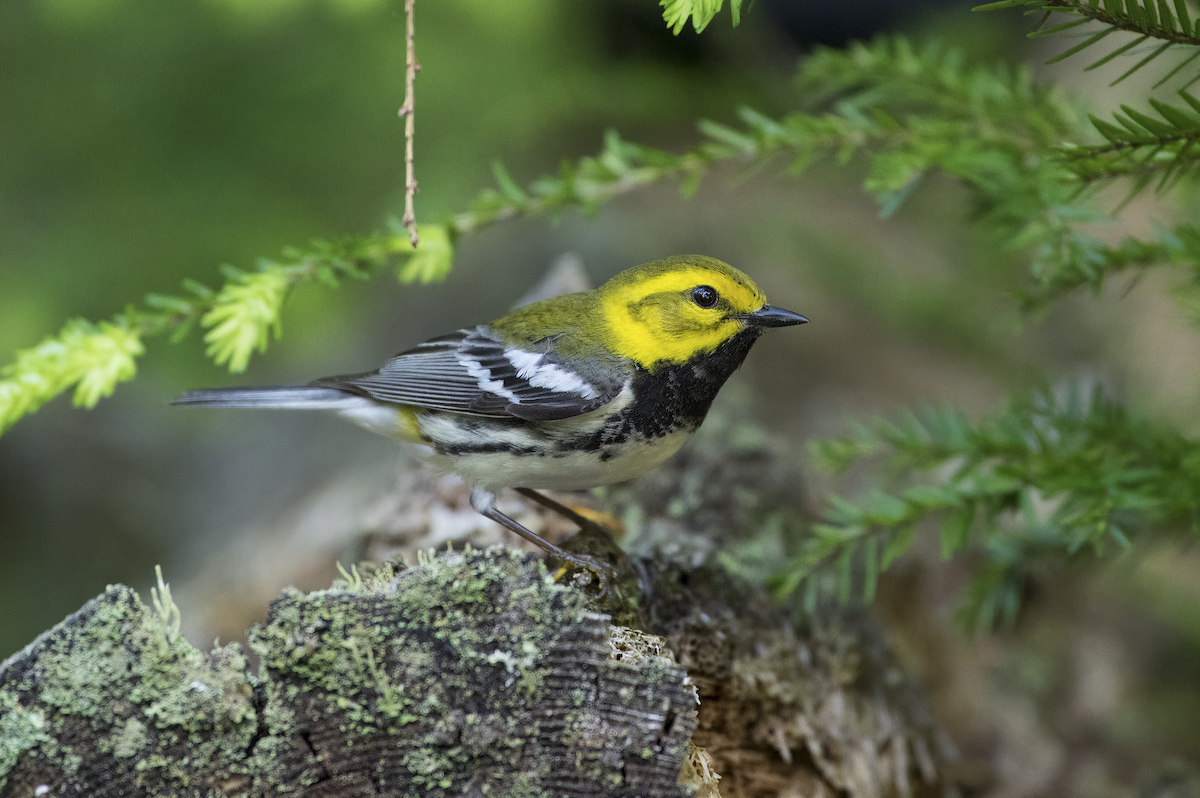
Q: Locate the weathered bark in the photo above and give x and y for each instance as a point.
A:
(468, 674)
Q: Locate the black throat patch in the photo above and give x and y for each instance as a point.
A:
(677, 396)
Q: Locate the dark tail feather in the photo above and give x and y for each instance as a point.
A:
(297, 397)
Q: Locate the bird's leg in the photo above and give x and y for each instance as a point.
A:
(622, 580)
(485, 504)
(568, 513)
(592, 537)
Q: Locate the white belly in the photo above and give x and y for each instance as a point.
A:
(572, 470)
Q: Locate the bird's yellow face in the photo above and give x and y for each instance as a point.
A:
(671, 310)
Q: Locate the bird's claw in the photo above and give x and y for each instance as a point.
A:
(602, 571)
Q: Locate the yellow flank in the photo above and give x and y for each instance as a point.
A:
(654, 320)
(406, 423)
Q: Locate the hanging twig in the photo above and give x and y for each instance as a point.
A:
(409, 219)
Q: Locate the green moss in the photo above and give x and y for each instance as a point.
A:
(21, 729)
(116, 678)
(451, 659)
(421, 617)
(432, 681)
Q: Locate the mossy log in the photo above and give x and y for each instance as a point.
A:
(471, 673)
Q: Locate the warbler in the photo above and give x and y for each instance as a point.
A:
(571, 392)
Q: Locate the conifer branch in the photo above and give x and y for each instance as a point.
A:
(1050, 477)
(1148, 17)
(240, 317)
(1097, 262)
(91, 358)
(1167, 22)
(1141, 146)
(701, 12)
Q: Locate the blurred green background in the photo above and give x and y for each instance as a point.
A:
(142, 143)
(145, 143)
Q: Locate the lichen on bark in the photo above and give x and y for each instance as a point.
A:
(470, 673)
(111, 696)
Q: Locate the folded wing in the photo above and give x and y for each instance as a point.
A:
(472, 372)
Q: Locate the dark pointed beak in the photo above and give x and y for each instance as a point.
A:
(767, 316)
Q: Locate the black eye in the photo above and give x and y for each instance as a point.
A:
(705, 296)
